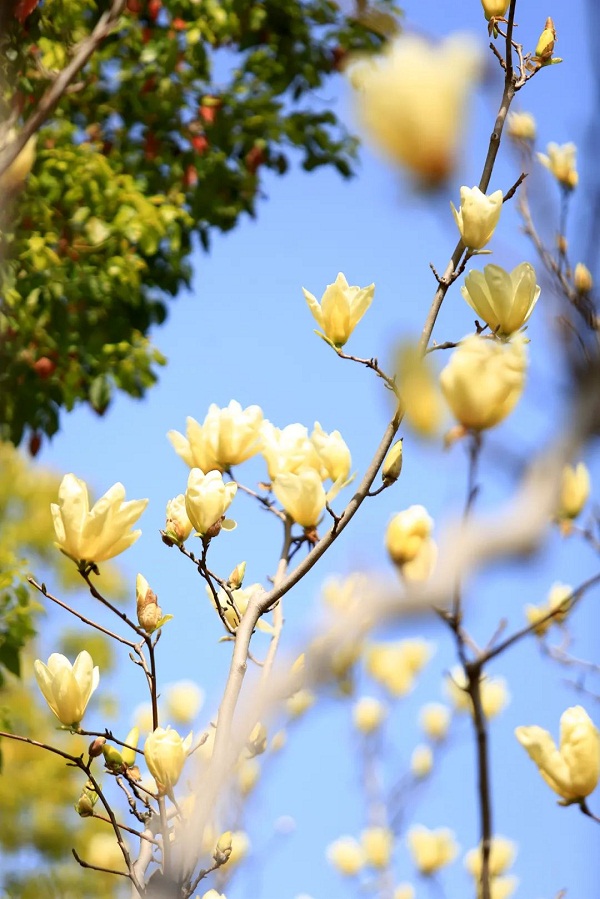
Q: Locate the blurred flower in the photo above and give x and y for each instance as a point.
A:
(412, 100)
(406, 533)
(574, 491)
(240, 847)
(99, 533)
(431, 849)
(302, 496)
(395, 665)
(341, 308)
(421, 761)
(377, 844)
(207, 499)
(234, 612)
(178, 526)
(477, 217)
(165, 753)
(368, 714)
(300, 702)
(404, 891)
(227, 437)
(103, 850)
(483, 380)
(502, 855)
(333, 453)
(288, 449)
(13, 177)
(213, 894)
(183, 701)
(435, 720)
(67, 688)
(142, 716)
(346, 856)
(419, 390)
(582, 278)
(343, 593)
(504, 300)
(561, 162)
(521, 126)
(494, 693)
(248, 773)
(560, 597)
(573, 770)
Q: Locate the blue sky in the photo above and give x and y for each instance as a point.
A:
(244, 332)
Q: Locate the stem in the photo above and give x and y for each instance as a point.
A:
(105, 602)
(136, 833)
(278, 609)
(483, 775)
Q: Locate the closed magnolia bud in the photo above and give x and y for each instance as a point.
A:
(223, 848)
(561, 161)
(545, 44)
(435, 720)
(421, 761)
(257, 741)
(495, 8)
(113, 759)
(368, 714)
(236, 578)
(477, 217)
(406, 533)
(128, 754)
(178, 526)
(84, 806)
(521, 126)
(392, 465)
(95, 747)
(574, 491)
(377, 844)
(346, 856)
(149, 612)
(582, 278)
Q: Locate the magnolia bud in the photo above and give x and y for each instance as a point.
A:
(545, 45)
(86, 802)
(95, 747)
(128, 755)
(494, 8)
(113, 759)
(392, 465)
(149, 612)
(582, 278)
(223, 848)
(236, 578)
(257, 741)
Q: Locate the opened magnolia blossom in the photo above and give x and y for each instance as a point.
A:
(226, 437)
(99, 533)
(477, 216)
(504, 300)
(67, 688)
(341, 308)
(572, 770)
(302, 496)
(412, 101)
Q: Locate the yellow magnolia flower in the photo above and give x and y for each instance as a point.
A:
(300, 702)
(207, 499)
(561, 161)
(248, 773)
(332, 452)
(483, 380)
(404, 891)
(392, 464)
(149, 613)
(574, 491)
(302, 496)
(572, 771)
(421, 761)
(504, 300)
(368, 714)
(419, 390)
(502, 855)
(287, 449)
(521, 126)
(343, 593)
(165, 753)
(240, 847)
(226, 437)
(178, 525)
(341, 308)
(496, 8)
(412, 101)
(346, 856)
(560, 597)
(431, 849)
(377, 844)
(395, 665)
(435, 721)
(241, 597)
(477, 216)
(67, 688)
(494, 693)
(99, 533)
(406, 533)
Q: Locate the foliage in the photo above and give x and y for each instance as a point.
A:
(162, 138)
